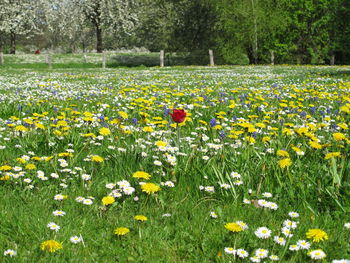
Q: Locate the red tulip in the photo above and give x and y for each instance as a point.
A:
(178, 115)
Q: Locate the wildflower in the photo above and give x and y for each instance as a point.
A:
(340, 261)
(60, 197)
(178, 116)
(285, 163)
(338, 136)
(166, 215)
(267, 195)
(287, 232)
(294, 248)
(150, 188)
(30, 166)
(262, 253)
(274, 258)
(10, 252)
(87, 201)
(347, 225)
(317, 254)
(255, 259)
(243, 225)
(213, 215)
(241, 253)
(59, 213)
(128, 190)
(50, 245)
(75, 239)
(121, 231)
(315, 145)
(282, 153)
(263, 232)
(230, 250)
(331, 155)
(302, 244)
(105, 131)
(293, 214)
(86, 177)
(97, 159)
(233, 227)
(317, 235)
(141, 175)
(290, 224)
(108, 200)
(53, 226)
(141, 218)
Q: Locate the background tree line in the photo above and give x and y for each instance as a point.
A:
(239, 31)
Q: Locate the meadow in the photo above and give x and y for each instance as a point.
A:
(93, 167)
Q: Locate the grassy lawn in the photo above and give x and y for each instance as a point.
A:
(258, 143)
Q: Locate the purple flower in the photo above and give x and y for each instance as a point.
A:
(212, 122)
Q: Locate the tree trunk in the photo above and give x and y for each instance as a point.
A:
(13, 43)
(1, 54)
(99, 45)
(255, 47)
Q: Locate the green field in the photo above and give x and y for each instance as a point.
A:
(258, 143)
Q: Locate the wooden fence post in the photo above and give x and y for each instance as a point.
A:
(211, 57)
(162, 58)
(49, 60)
(332, 60)
(1, 57)
(104, 59)
(85, 58)
(272, 57)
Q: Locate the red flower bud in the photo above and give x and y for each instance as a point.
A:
(178, 115)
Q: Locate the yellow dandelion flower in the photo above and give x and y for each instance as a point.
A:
(317, 235)
(5, 178)
(105, 131)
(5, 168)
(21, 128)
(150, 188)
(140, 218)
(108, 200)
(123, 114)
(161, 143)
(332, 154)
(315, 145)
(97, 159)
(266, 139)
(121, 231)
(141, 175)
(30, 166)
(147, 129)
(233, 227)
(50, 245)
(285, 162)
(282, 153)
(338, 136)
(21, 160)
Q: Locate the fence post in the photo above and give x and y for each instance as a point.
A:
(272, 57)
(1, 57)
(103, 59)
(332, 60)
(162, 58)
(85, 58)
(211, 57)
(49, 60)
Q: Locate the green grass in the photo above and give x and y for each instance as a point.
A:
(316, 188)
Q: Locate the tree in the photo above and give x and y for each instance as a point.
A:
(115, 15)
(17, 18)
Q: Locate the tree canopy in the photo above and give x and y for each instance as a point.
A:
(239, 31)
